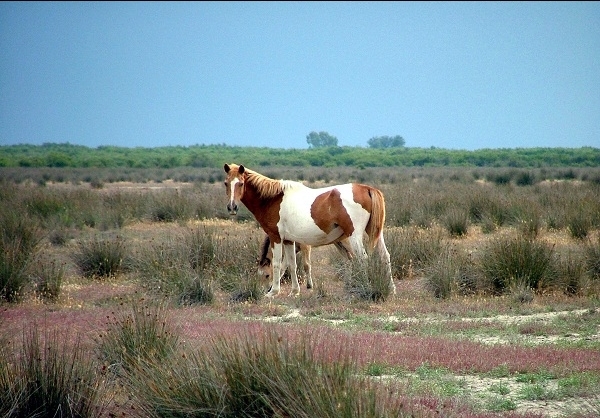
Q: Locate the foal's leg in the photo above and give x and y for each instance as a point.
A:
(277, 264)
(289, 253)
(385, 257)
(306, 263)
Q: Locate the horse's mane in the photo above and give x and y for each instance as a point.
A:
(268, 187)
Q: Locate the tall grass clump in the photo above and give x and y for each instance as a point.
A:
(49, 378)
(48, 279)
(248, 287)
(261, 374)
(170, 206)
(412, 249)
(144, 333)
(456, 222)
(509, 261)
(101, 256)
(489, 207)
(19, 242)
(450, 273)
(571, 274)
(179, 266)
(367, 279)
(163, 265)
(592, 258)
(579, 224)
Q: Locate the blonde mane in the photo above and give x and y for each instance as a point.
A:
(265, 186)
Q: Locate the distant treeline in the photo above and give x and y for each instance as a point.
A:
(69, 155)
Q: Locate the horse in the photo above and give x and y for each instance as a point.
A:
(290, 212)
(265, 264)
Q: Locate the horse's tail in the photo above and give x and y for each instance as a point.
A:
(374, 227)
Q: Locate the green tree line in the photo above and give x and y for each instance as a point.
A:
(69, 155)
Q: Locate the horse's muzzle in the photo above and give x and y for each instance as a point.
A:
(232, 209)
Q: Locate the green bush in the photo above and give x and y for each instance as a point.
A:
(456, 222)
(264, 373)
(571, 274)
(142, 334)
(592, 258)
(411, 249)
(507, 261)
(48, 278)
(19, 241)
(101, 257)
(579, 224)
(367, 279)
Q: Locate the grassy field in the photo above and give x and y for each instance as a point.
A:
(138, 296)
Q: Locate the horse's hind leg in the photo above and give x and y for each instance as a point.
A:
(385, 257)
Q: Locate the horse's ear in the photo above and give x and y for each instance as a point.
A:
(241, 169)
(226, 168)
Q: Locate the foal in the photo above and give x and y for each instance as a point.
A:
(265, 265)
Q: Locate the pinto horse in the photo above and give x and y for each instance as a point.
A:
(290, 212)
(265, 261)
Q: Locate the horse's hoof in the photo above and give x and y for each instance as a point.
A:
(295, 293)
(271, 295)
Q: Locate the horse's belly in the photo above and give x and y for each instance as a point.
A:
(309, 234)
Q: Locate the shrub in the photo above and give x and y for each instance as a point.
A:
(592, 258)
(49, 276)
(367, 279)
(512, 260)
(456, 222)
(182, 266)
(143, 334)
(164, 266)
(570, 273)
(248, 288)
(411, 249)
(49, 378)
(202, 247)
(101, 257)
(450, 272)
(20, 237)
(261, 374)
(197, 291)
(579, 224)
(170, 206)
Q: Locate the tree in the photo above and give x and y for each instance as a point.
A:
(386, 142)
(321, 139)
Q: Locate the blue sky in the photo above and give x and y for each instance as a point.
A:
(467, 75)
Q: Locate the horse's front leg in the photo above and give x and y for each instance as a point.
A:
(289, 253)
(277, 264)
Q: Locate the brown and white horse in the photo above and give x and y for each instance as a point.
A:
(290, 212)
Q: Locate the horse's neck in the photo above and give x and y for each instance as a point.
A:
(256, 203)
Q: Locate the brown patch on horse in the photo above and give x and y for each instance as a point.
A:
(328, 212)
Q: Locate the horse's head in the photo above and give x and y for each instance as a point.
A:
(265, 269)
(234, 185)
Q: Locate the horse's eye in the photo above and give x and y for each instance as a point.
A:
(240, 184)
